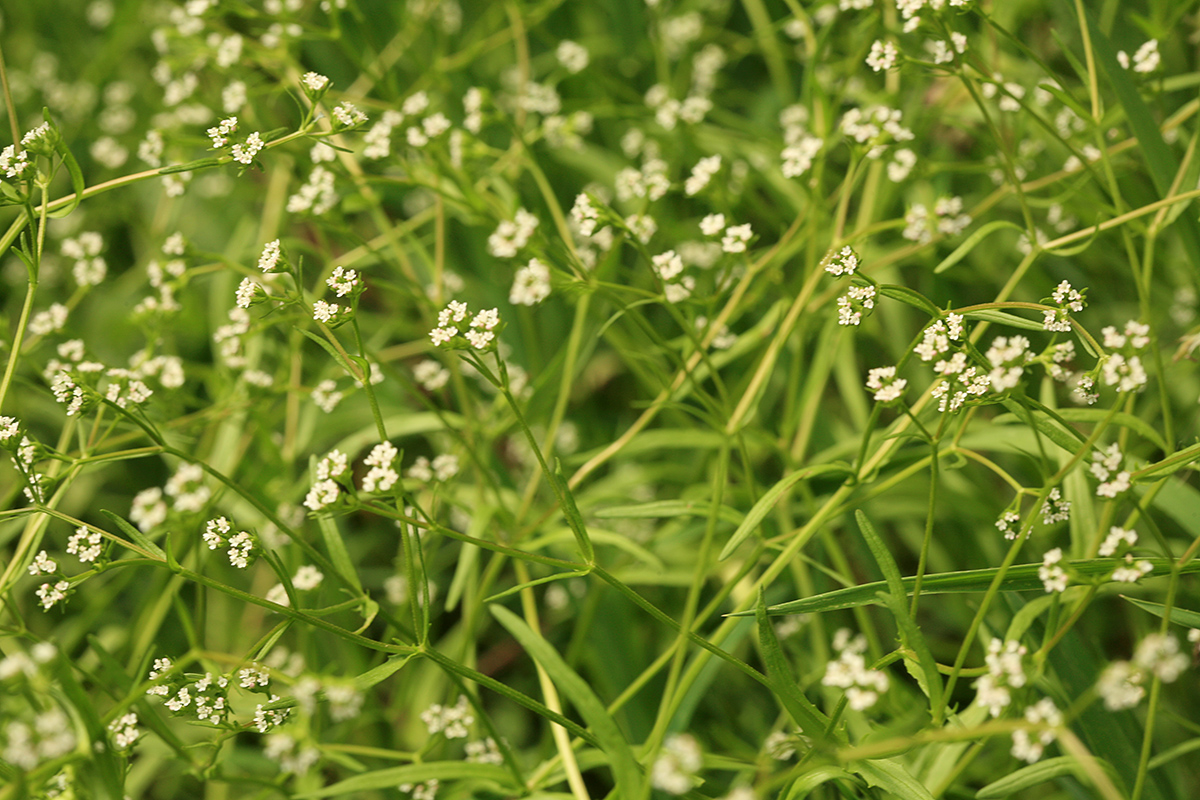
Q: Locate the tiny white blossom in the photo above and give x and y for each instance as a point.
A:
(244, 153)
(883, 56)
(736, 237)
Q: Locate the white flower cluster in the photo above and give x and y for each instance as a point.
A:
(325, 489)
(85, 544)
(1146, 59)
(48, 595)
(443, 468)
(317, 195)
(325, 394)
(431, 375)
(844, 262)
(585, 215)
(421, 791)
(187, 488)
(668, 111)
(315, 81)
(884, 383)
(511, 235)
(1055, 509)
(228, 337)
(942, 52)
(267, 719)
(736, 236)
(219, 134)
(1105, 463)
(852, 304)
(244, 152)
(378, 139)
(936, 340)
(702, 173)
(1121, 685)
(642, 226)
(1042, 713)
(343, 281)
(668, 267)
(1007, 357)
(1131, 571)
(241, 544)
(484, 751)
(50, 736)
(531, 285)
(677, 764)
(48, 321)
(572, 55)
(381, 477)
(1069, 301)
(207, 695)
(1008, 524)
(42, 564)
(124, 730)
(13, 163)
(481, 330)
(330, 313)
(348, 115)
(1005, 672)
(292, 758)
(1124, 370)
(451, 721)
(883, 56)
(1053, 576)
(849, 671)
(878, 127)
(650, 181)
(947, 219)
(90, 268)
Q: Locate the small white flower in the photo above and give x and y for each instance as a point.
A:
(244, 153)
(315, 81)
(531, 285)
(885, 384)
(1052, 576)
(736, 237)
(307, 578)
(343, 281)
(326, 312)
(883, 56)
(713, 224)
(572, 55)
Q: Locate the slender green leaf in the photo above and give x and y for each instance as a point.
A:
(339, 556)
(381, 673)
(1172, 753)
(1005, 318)
(973, 241)
(1093, 415)
(666, 509)
(191, 166)
(811, 721)
(910, 635)
(802, 787)
(571, 512)
(624, 766)
(1159, 158)
(391, 777)
(1020, 577)
(892, 776)
(135, 535)
(77, 183)
(768, 501)
(1180, 616)
(1027, 777)
(910, 297)
(1171, 464)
